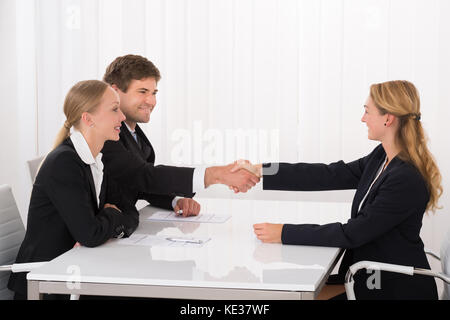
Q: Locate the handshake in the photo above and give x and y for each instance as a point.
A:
(239, 176)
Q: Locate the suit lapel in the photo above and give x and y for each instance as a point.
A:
(103, 192)
(128, 140)
(88, 172)
(380, 179)
(146, 149)
(367, 179)
(385, 173)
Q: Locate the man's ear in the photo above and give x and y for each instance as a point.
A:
(115, 87)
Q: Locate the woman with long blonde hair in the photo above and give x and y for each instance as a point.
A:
(73, 202)
(395, 185)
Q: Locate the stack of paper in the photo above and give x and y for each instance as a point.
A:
(164, 241)
(201, 218)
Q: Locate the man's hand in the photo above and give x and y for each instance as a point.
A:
(189, 206)
(256, 169)
(268, 232)
(240, 180)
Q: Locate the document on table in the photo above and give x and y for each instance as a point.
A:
(163, 241)
(201, 218)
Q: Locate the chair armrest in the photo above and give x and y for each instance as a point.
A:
(381, 266)
(21, 267)
(349, 282)
(26, 267)
(5, 268)
(432, 254)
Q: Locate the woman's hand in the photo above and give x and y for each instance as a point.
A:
(108, 205)
(246, 165)
(268, 232)
(256, 169)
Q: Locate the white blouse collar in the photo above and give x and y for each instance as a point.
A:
(82, 149)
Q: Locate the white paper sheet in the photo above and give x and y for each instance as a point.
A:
(164, 241)
(201, 218)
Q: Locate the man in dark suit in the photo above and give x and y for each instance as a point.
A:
(131, 160)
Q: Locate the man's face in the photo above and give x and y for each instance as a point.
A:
(139, 101)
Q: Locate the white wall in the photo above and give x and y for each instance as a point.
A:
(294, 71)
(8, 66)
(18, 95)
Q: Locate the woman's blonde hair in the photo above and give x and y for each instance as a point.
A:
(85, 96)
(401, 99)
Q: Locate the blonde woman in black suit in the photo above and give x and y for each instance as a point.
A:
(395, 185)
(73, 201)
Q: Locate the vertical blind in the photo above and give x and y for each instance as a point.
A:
(266, 80)
(260, 79)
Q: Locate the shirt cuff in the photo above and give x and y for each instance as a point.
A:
(198, 179)
(175, 200)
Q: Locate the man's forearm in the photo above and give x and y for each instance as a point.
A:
(241, 179)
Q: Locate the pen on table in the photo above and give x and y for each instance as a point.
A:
(185, 240)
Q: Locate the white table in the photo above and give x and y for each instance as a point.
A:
(232, 265)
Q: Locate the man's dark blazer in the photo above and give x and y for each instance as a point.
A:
(63, 210)
(132, 166)
(386, 229)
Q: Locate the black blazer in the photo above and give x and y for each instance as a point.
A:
(63, 210)
(386, 229)
(132, 166)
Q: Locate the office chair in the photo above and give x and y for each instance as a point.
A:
(370, 265)
(33, 166)
(12, 232)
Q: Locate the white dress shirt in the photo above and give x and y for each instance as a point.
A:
(96, 165)
(198, 179)
(380, 170)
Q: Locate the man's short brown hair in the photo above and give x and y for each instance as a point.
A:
(130, 67)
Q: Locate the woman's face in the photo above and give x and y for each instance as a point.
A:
(107, 117)
(374, 120)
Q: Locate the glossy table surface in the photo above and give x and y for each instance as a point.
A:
(233, 258)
